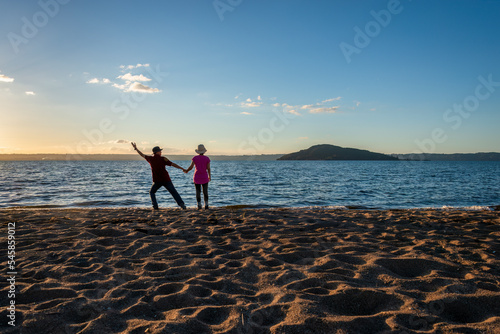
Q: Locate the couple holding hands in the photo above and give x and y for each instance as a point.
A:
(201, 177)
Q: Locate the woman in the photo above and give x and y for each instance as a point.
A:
(202, 174)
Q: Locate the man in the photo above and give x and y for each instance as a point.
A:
(160, 175)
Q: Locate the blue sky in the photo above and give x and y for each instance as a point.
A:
(249, 77)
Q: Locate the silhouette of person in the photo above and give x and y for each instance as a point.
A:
(202, 174)
(160, 175)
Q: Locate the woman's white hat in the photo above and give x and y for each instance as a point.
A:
(201, 149)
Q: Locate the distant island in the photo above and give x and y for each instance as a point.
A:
(317, 152)
(332, 152)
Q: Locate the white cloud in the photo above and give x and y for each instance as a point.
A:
(99, 81)
(293, 112)
(119, 141)
(131, 82)
(238, 96)
(316, 108)
(220, 104)
(30, 93)
(130, 67)
(250, 104)
(332, 99)
(246, 113)
(130, 77)
(138, 87)
(4, 78)
(290, 109)
(303, 138)
(324, 110)
(357, 103)
(123, 87)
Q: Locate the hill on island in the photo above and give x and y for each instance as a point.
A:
(332, 152)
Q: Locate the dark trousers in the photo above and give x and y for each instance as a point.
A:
(171, 189)
(198, 192)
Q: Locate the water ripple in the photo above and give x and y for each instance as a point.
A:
(352, 184)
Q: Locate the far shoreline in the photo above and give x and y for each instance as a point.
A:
(129, 157)
(449, 157)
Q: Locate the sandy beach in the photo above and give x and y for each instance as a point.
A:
(234, 270)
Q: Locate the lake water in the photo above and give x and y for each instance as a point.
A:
(358, 184)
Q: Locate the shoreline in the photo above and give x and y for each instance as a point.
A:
(234, 270)
(257, 207)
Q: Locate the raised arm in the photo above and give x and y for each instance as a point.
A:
(190, 167)
(134, 145)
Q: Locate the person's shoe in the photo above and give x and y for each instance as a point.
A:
(206, 207)
(199, 206)
(156, 208)
(183, 207)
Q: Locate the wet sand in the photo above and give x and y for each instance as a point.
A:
(254, 271)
